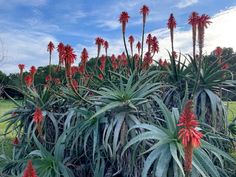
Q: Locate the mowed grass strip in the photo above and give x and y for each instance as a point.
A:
(231, 110)
(5, 105)
(6, 147)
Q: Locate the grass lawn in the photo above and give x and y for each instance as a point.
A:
(5, 106)
(232, 110)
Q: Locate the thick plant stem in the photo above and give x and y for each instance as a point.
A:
(188, 158)
(21, 81)
(96, 63)
(172, 53)
(172, 40)
(131, 48)
(198, 74)
(126, 50)
(194, 42)
(142, 43)
(50, 63)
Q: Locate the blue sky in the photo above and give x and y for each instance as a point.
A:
(28, 25)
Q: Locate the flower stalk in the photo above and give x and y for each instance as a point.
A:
(189, 135)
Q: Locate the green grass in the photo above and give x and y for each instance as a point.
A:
(231, 110)
(5, 105)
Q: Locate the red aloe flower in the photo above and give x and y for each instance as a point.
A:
(193, 20)
(48, 78)
(149, 41)
(74, 70)
(171, 25)
(136, 59)
(103, 62)
(171, 22)
(33, 71)
(21, 67)
(155, 45)
(160, 62)
(81, 69)
(138, 46)
(218, 51)
(225, 66)
(38, 115)
(16, 141)
(145, 11)
(100, 76)
(189, 135)
(61, 50)
(69, 56)
(131, 41)
(119, 58)
(165, 64)
(106, 46)
(114, 62)
(147, 60)
(84, 56)
(203, 22)
(50, 47)
(124, 17)
(28, 80)
(124, 61)
(84, 59)
(113, 58)
(29, 170)
(99, 42)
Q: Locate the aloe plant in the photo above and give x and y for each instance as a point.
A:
(164, 153)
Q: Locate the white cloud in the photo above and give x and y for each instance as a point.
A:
(75, 16)
(110, 24)
(219, 33)
(25, 47)
(186, 3)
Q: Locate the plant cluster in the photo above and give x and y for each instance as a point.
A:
(124, 115)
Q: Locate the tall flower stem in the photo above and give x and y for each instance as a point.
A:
(171, 25)
(50, 65)
(50, 49)
(126, 50)
(203, 21)
(142, 40)
(96, 63)
(188, 157)
(144, 11)
(194, 42)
